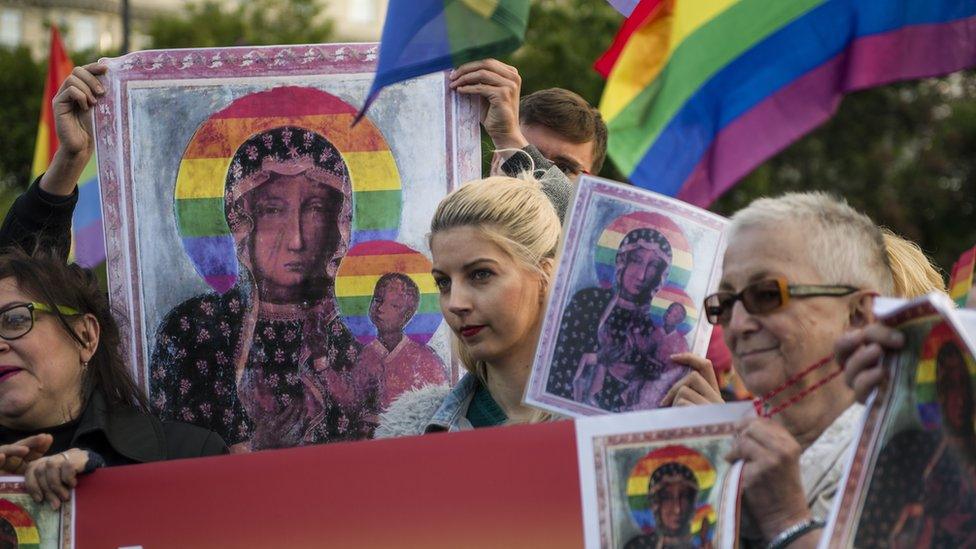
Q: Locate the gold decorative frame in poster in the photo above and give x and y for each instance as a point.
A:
(669, 486)
(911, 481)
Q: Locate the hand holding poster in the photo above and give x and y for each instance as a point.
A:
(268, 260)
(912, 478)
(634, 270)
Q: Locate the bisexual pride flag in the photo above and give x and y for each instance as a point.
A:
(700, 92)
(87, 241)
(425, 36)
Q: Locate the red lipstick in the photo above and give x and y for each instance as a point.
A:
(7, 372)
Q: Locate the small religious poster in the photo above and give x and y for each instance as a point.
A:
(634, 271)
(267, 256)
(24, 523)
(669, 486)
(911, 481)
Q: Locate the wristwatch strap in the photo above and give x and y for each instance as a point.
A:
(793, 533)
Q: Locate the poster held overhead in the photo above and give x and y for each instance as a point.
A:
(249, 226)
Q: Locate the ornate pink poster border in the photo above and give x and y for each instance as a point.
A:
(111, 121)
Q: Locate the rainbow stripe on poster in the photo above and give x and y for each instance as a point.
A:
(961, 281)
(665, 298)
(606, 251)
(700, 92)
(26, 529)
(925, 389)
(705, 513)
(199, 194)
(87, 239)
(356, 279)
(640, 476)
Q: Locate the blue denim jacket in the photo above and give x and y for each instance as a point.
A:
(453, 411)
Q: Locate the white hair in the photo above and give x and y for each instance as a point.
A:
(844, 245)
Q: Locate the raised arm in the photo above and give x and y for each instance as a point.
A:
(42, 215)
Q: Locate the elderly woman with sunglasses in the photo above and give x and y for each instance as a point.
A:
(68, 403)
(799, 271)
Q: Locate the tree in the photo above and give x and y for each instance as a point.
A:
(251, 23)
(23, 83)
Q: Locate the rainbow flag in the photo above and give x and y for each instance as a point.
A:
(87, 241)
(700, 92)
(425, 36)
(961, 280)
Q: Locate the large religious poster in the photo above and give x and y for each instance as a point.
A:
(267, 257)
(634, 270)
(911, 481)
(663, 486)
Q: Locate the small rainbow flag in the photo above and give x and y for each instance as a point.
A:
(88, 242)
(961, 280)
(626, 7)
(425, 36)
(356, 280)
(24, 526)
(700, 92)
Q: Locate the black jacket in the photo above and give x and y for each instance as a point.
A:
(127, 436)
(122, 436)
(37, 217)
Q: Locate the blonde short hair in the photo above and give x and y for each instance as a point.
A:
(844, 245)
(515, 215)
(913, 272)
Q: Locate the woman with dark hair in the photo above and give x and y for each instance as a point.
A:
(252, 364)
(68, 403)
(258, 364)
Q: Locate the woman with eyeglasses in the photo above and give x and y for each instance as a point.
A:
(68, 403)
(799, 271)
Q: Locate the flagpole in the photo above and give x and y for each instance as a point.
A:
(125, 26)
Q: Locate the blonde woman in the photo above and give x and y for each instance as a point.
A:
(493, 244)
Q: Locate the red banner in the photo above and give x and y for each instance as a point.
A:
(506, 487)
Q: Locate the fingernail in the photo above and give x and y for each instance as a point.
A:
(99, 89)
(896, 338)
(452, 73)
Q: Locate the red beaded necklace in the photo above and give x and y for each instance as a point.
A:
(764, 407)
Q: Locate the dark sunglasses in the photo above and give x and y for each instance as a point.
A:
(765, 297)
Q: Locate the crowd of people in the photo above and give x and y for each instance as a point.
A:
(799, 280)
